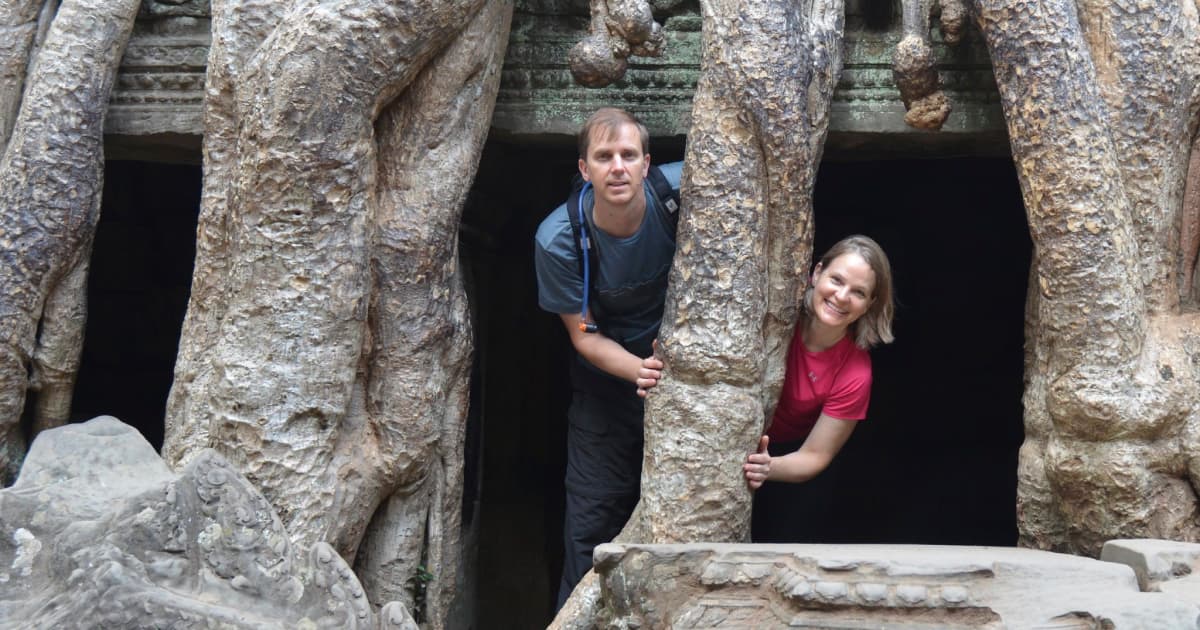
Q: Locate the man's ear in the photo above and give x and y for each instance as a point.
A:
(583, 170)
(646, 165)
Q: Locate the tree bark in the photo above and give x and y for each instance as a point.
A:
(327, 343)
(238, 28)
(18, 29)
(417, 389)
(51, 178)
(759, 121)
(1100, 101)
(913, 65)
(1189, 225)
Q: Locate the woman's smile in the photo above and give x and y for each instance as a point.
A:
(845, 289)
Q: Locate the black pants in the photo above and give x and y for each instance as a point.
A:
(589, 521)
(793, 512)
(604, 469)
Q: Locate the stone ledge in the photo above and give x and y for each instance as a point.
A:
(160, 86)
(868, 586)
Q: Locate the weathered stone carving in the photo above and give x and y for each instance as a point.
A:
(97, 532)
(51, 175)
(873, 586)
(186, 8)
(160, 87)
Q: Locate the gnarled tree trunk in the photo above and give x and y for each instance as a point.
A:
(51, 177)
(758, 127)
(19, 22)
(1101, 101)
(327, 344)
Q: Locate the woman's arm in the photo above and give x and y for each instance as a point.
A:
(814, 456)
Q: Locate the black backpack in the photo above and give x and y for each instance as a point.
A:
(666, 196)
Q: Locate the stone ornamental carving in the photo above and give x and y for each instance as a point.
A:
(880, 586)
(160, 87)
(97, 532)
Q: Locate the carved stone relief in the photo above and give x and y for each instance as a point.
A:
(160, 85)
(160, 88)
(874, 586)
(98, 532)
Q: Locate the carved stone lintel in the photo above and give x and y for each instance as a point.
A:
(160, 90)
(176, 8)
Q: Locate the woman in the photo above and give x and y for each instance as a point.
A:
(846, 310)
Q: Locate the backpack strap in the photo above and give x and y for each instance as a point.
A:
(667, 199)
(576, 232)
(666, 195)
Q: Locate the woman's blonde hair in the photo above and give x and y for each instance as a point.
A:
(875, 326)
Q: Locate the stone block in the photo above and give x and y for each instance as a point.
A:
(97, 532)
(874, 586)
(1156, 563)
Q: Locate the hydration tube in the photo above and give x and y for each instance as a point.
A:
(584, 244)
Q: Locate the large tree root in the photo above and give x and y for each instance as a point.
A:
(51, 178)
(758, 126)
(1098, 103)
(327, 274)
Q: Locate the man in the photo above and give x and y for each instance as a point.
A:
(612, 323)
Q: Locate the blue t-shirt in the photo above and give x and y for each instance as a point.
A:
(631, 283)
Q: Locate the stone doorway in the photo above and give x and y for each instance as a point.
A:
(935, 463)
(138, 287)
(936, 460)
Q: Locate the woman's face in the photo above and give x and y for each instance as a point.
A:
(843, 291)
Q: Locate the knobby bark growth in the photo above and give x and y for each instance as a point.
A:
(759, 120)
(18, 24)
(51, 176)
(913, 65)
(327, 344)
(618, 29)
(1101, 104)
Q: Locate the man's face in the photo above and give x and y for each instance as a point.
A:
(616, 165)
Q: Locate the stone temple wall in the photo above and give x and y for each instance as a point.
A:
(158, 98)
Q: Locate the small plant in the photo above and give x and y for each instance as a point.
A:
(417, 585)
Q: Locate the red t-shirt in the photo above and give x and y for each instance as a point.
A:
(835, 381)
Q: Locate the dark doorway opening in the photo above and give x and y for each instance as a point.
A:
(935, 462)
(525, 391)
(138, 287)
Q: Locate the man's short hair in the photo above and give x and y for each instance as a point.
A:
(608, 121)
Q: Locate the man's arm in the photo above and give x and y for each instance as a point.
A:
(609, 356)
